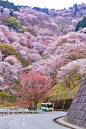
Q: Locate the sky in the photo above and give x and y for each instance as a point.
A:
(50, 4)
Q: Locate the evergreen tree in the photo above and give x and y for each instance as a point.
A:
(81, 24)
(9, 5)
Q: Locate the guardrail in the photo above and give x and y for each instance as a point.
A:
(5, 112)
(65, 95)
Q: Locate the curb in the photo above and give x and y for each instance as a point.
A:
(61, 121)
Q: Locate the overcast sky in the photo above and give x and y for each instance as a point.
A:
(51, 4)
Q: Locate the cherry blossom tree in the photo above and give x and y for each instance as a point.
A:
(34, 87)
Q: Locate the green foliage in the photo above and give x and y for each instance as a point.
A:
(45, 10)
(62, 28)
(5, 19)
(9, 5)
(14, 23)
(45, 57)
(1, 46)
(81, 24)
(24, 62)
(12, 101)
(78, 25)
(72, 77)
(17, 82)
(3, 95)
(70, 85)
(8, 50)
(22, 31)
(30, 30)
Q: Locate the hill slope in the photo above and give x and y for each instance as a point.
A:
(37, 41)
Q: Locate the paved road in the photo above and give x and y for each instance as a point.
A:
(31, 121)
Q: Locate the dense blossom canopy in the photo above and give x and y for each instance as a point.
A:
(31, 40)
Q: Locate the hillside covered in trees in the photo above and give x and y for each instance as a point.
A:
(7, 4)
(42, 45)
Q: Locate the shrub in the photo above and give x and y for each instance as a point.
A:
(14, 23)
(24, 62)
(5, 19)
(22, 31)
(1, 46)
(30, 30)
(3, 95)
(62, 28)
(8, 50)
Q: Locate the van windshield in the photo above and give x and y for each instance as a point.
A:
(49, 105)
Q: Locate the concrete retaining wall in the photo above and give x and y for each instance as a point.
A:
(77, 110)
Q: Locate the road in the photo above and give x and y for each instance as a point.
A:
(32, 121)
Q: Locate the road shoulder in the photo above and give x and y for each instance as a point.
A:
(63, 122)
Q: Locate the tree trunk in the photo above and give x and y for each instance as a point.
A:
(2, 99)
(35, 105)
(69, 85)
